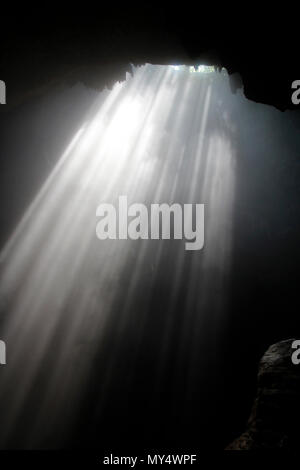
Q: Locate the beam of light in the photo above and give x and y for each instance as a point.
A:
(202, 69)
(154, 138)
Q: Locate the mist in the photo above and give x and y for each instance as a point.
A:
(136, 339)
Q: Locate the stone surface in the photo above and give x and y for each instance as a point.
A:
(274, 419)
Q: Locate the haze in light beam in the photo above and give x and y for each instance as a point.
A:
(74, 303)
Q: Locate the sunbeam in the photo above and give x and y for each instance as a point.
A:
(74, 305)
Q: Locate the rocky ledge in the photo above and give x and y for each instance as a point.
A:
(275, 415)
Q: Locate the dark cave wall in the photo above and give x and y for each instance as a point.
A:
(42, 46)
